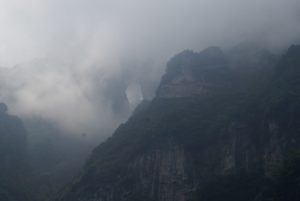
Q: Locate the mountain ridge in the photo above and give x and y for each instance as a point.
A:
(186, 146)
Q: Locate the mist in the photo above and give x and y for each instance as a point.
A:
(86, 64)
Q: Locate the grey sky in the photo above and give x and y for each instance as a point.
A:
(76, 28)
(54, 48)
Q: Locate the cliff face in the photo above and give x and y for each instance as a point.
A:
(202, 138)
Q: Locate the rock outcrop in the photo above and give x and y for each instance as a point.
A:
(190, 74)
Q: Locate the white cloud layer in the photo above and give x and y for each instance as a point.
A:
(59, 57)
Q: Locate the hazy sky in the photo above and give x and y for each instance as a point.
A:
(103, 29)
(61, 56)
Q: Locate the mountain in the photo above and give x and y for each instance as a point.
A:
(15, 168)
(209, 135)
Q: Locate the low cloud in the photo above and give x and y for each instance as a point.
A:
(85, 64)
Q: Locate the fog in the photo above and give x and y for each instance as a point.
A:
(86, 64)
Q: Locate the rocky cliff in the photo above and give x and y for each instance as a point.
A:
(202, 138)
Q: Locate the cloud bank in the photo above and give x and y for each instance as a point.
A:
(87, 63)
